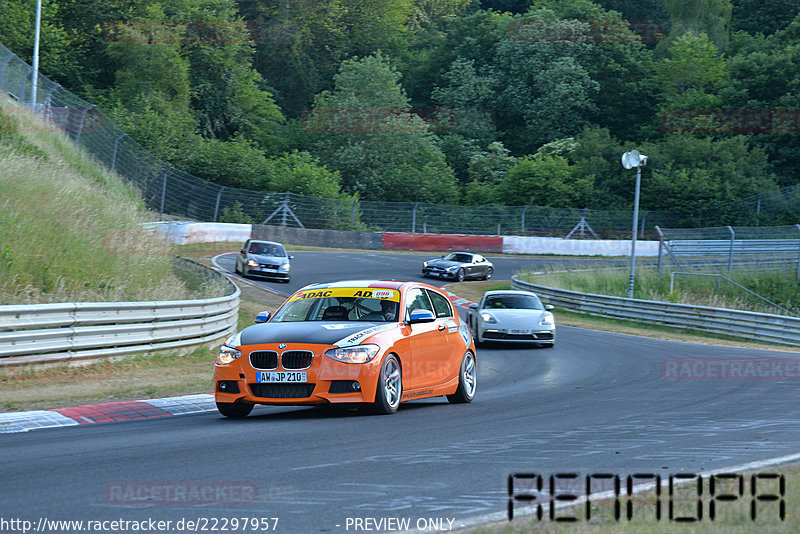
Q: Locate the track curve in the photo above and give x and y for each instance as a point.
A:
(598, 401)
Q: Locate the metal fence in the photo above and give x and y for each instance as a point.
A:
(727, 248)
(743, 324)
(168, 190)
(39, 333)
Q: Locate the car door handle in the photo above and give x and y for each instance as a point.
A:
(442, 328)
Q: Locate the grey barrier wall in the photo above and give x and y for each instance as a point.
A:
(319, 238)
(744, 324)
(40, 333)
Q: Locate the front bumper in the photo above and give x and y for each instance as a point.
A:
(266, 273)
(438, 273)
(501, 335)
(328, 381)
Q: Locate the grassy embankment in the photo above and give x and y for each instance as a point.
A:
(69, 232)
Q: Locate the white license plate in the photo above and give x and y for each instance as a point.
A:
(520, 331)
(281, 376)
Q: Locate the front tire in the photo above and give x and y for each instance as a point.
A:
(235, 410)
(460, 275)
(390, 387)
(467, 380)
(488, 274)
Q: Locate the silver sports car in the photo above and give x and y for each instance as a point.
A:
(512, 316)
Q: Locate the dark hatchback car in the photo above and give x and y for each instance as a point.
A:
(264, 258)
(459, 266)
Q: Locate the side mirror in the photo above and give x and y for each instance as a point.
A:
(421, 316)
(549, 307)
(473, 306)
(263, 317)
(242, 251)
(291, 257)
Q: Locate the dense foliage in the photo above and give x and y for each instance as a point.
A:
(455, 101)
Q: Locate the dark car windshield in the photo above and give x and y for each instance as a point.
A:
(457, 256)
(267, 249)
(513, 302)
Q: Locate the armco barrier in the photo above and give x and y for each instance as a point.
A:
(38, 333)
(437, 242)
(744, 324)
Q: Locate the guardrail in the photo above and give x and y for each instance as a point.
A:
(744, 324)
(40, 333)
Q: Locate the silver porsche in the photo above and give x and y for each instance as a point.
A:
(512, 316)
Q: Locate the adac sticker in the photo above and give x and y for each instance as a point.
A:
(355, 292)
(452, 326)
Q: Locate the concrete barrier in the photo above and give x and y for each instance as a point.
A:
(441, 242)
(576, 247)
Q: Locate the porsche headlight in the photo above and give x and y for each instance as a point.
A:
(487, 318)
(355, 354)
(547, 320)
(252, 263)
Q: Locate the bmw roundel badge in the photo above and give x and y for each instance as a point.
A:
(282, 346)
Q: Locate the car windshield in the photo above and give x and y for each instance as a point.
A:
(267, 249)
(513, 302)
(351, 304)
(460, 257)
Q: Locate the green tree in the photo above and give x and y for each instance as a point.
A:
(755, 16)
(368, 133)
(56, 52)
(486, 171)
(543, 181)
(711, 17)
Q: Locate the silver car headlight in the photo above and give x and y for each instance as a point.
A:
(547, 320)
(356, 354)
(252, 263)
(487, 318)
(451, 269)
(284, 268)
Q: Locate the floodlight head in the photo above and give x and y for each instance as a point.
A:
(633, 159)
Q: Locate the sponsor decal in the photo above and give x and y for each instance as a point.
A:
(417, 394)
(340, 326)
(452, 326)
(358, 337)
(355, 292)
(465, 333)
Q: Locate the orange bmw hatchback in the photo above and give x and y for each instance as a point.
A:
(372, 343)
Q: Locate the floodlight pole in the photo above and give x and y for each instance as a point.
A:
(37, 31)
(635, 229)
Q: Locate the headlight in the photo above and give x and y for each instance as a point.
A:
(451, 269)
(356, 354)
(252, 263)
(487, 318)
(547, 320)
(424, 263)
(284, 268)
(227, 355)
